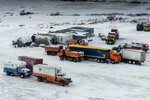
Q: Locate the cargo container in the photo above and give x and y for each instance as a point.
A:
(47, 73)
(100, 54)
(30, 61)
(17, 68)
(133, 56)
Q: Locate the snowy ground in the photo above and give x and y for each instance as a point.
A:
(91, 80)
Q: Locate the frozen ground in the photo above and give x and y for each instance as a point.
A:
(91, 80)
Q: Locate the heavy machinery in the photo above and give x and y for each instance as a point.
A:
(47, 73)
(133, 45)
(67, 54)
(133, 56)
(100, 54)
(78, 41)
(146, 27)
(112, 36)
(139, 27)
(53, 50)
(17, 68)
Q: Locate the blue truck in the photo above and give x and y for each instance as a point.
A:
(140, 27)
(100, 54)
(17, 68)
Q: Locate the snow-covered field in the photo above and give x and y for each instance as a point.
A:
(91, 80)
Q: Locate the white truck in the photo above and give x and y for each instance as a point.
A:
(17, 68)
(47, 73)
(133, 56)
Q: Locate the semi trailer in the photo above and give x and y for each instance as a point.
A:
(100, 54)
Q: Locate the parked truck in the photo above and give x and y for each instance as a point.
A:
(78, 41)
(47, 73)
(146, 27)
(139, 27)
(53, 50)
(67, 54)
(17, 68)
(100, 54)
(133, 56)
(112, 36)
(30, 61)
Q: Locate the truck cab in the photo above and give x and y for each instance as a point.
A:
(17, 68)
(139, 27)
(115, 56)
(111, 38)
(146, 27)
(145, 47)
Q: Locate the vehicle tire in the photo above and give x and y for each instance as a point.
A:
(8, 73)
(62, 83)
(102, 61)
(39, 79)
(45, 80)
(22, 76)
(113, 62)
(12, 74)
(98, 60)
(61, 58)
(75, 59)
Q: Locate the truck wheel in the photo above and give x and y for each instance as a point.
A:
(113, 62)
(12, 74)
(62, 83)
(61, 58)
(98, 60)
(22, 76)
(8, 73)
(75, 59)
(39, 79)
(45, 80)
(53, 53)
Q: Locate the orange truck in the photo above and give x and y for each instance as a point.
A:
(71, 55)
(46, 73)
(50, 50)
(78, 41)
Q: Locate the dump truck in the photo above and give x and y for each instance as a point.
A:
(78, 41)
(100, 54)
(133, 56)
(67, 54)
(30, 61)
(47, 73)
(53, 50)
(17, 68)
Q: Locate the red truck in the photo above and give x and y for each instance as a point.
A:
(78, 41)
(53, 50)
(30, 61)
(116, 31)
(71, 55)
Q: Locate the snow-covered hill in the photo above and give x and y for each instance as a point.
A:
(91, 80)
